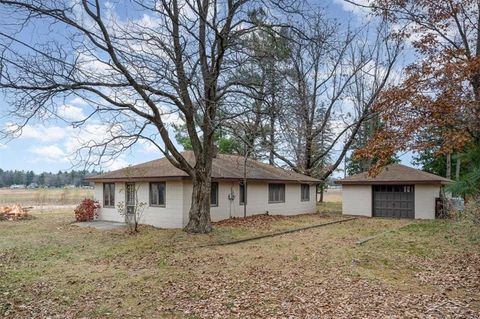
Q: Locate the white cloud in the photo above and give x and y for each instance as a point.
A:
(49, 153)
(2, 146)
(78, 101)
(149, 147)
(70, 112)
(353, 7)
(116, 163)
(40, 133)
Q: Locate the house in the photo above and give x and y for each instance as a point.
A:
(167, 191)
(397, 191)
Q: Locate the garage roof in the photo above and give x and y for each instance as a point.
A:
(395, 174)
(224, 166)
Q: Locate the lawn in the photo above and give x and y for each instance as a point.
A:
(50, 268)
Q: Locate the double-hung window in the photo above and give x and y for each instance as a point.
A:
(276, 193)
(305, 192)
(243, 194)
(157, 194)
(108, 195)
(214, 194)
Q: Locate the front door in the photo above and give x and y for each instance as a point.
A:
(130, 199)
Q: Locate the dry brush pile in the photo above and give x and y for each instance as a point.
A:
(15, 212)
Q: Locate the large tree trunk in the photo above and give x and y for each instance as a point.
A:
(199, 221)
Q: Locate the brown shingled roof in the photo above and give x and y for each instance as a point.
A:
(395, 174)
(224, 167)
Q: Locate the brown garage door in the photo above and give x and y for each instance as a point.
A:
(397, 201)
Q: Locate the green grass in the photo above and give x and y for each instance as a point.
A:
(49, 267)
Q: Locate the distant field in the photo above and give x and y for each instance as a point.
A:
(332, 195)
(43, 197)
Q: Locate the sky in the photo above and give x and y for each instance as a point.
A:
(51, 146)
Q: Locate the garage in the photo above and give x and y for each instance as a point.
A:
(397, 191)
(395, 201)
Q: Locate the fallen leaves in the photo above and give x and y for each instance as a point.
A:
(318, 273)
(263, 221)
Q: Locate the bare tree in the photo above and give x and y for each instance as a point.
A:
(329, 69)
(136, 74)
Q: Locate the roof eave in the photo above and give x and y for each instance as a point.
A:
(163, 178)
(390, 182)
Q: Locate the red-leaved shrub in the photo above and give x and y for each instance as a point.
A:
(87, 210)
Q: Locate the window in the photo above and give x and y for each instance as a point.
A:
(157, 194)
(214, 194)
(108, 195)
(130, 193)
(305, 192)
(276, 193)
(243, 195)
(393, 188)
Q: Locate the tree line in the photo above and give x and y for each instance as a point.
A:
(45, 179)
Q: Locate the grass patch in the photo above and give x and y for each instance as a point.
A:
(329, 207)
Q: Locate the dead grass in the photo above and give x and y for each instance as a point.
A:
(332, 195)
(49, 268)
(44, 197)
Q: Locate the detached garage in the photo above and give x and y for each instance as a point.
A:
(398, 191)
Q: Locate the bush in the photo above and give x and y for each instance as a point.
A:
(87, 210)
(472, 210)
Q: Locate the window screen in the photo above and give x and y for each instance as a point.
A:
(157, 194)
(242, 194)
(276, 193)
(305, 192)
(214, 194)
(109, 195)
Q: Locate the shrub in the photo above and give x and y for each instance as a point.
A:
(472, 210)
(87, 210)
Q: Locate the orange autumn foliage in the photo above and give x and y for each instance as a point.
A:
(439, 97)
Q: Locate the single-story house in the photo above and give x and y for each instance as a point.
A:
(397, 191)
(167, 191)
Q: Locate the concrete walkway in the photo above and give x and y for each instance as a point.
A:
(101, 225)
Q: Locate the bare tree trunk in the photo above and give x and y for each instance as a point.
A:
(245, 159)
(449, 166)
(271, 158)
(457, 169)
(199, 221)
(321, 193)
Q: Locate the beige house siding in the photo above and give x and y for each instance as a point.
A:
(425, 201)
(108, 213)
(167, 217)
(179, 197)
(257, 201)
(357, 200)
